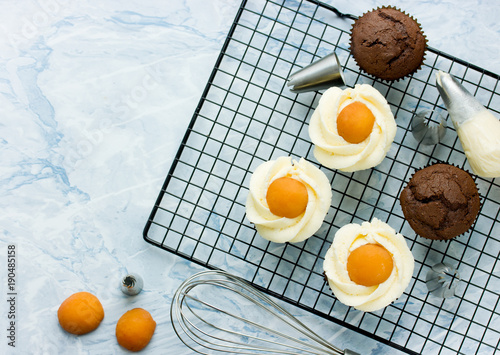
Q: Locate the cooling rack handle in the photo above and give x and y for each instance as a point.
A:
(337, 12)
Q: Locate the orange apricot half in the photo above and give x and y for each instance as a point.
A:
(135, 329)
(287, 197)
(369, 265)
(80, 313)
(355, 122)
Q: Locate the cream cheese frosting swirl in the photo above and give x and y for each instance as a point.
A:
(335, 152)
(282, 229)
(368, 298)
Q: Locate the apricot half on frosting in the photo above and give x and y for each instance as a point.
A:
(355, 122)
(80, 313)
(369, 265)
(287, 197)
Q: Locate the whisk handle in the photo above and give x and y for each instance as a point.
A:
(349, 352)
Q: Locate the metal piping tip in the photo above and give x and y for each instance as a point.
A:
(131, 284)
(459, 102)
(442, 280)
(319, 75)
(425, 132)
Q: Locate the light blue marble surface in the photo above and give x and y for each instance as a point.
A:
(95, 99)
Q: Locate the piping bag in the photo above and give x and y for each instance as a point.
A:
(477, 128)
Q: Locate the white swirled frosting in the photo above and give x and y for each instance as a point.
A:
(281, 229)
(335, 152)
(368, 298)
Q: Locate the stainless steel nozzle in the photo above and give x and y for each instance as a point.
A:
(442, 280)
(319, 75)
(459, 102)
(131, 284)
(426, 133)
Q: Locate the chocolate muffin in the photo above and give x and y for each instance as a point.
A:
(387, 43)
(440, 201)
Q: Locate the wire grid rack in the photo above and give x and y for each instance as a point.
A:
(247, 116)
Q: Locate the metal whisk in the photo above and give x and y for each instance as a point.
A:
(215, 312)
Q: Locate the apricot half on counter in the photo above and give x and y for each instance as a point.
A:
(80, 313)
(135, 329)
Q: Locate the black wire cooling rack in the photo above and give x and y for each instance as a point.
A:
(247, 116)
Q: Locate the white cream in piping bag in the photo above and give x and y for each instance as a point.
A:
(477, 128)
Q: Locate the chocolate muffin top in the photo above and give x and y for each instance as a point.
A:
(387, 43)
(440, 202)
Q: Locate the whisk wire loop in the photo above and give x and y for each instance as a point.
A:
(252, 323)
(204, 316)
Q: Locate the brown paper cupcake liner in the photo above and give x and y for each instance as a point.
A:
(421, 30)
(477, 188)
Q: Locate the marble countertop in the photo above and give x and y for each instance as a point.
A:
(95, 99)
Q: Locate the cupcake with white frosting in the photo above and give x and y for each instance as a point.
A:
(368, 266)
(352, 129)
(288, 200)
